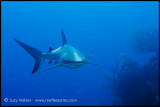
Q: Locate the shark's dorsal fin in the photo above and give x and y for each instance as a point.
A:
(63, 38)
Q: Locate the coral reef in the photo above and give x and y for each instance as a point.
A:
(132, 85)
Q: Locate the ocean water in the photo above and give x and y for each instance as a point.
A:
(100, 29)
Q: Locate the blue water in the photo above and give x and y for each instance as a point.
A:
(97, 28)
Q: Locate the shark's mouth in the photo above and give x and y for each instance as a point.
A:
(73, 64)
(74, 61)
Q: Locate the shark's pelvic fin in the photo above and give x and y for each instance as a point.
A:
(35, 53)
(63, 38)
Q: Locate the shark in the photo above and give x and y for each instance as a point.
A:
(65, 55)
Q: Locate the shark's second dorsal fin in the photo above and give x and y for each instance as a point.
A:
(49, 62)
(50, 49)
(63, 38)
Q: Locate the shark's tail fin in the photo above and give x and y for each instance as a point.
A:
(35, 53)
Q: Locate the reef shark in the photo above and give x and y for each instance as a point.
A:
(65, 55)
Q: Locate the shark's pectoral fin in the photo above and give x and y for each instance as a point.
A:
(48, 69)
(92, 63)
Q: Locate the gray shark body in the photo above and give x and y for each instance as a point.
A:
(65, 55)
